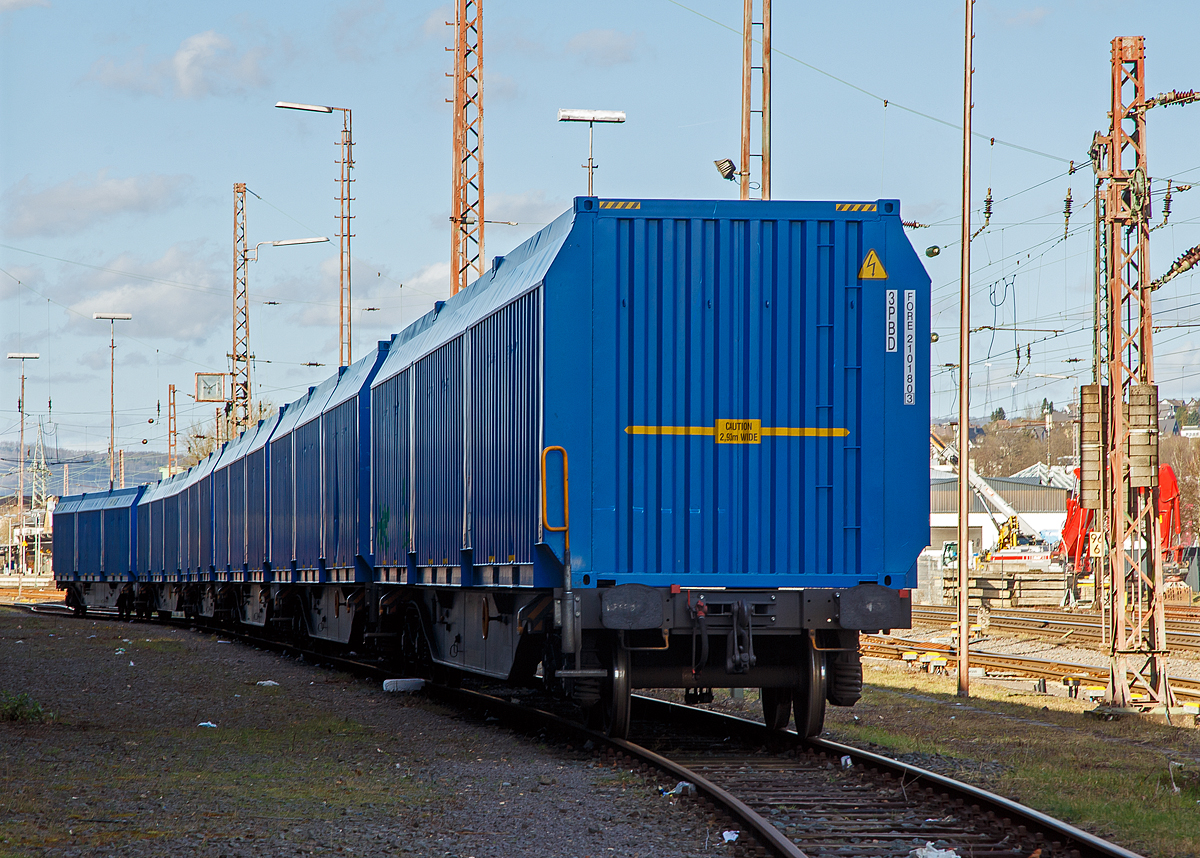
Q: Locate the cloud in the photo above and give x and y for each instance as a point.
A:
(356, 29)
(205, 64)
(1024, 17)
(529, 208)
(14, 5)
(434, 26)
(82, 200)
(604, 48)
(190, 307)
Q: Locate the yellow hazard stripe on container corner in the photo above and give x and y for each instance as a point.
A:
(620, 204)
(778, 431)
(854, 207)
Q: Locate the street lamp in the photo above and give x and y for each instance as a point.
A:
(590, 117)
(22, 357)
(112, 318)
(346, 161)
(287, 242)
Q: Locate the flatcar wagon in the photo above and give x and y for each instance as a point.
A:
(662, 443)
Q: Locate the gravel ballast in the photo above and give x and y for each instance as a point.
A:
(320, 763)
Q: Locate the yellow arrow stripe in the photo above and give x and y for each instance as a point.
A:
(779, 432)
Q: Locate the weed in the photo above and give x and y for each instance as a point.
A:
(22, 707)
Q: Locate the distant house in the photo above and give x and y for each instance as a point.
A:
(1190, 431)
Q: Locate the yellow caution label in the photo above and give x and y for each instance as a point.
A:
(620, 204)
(763, 431)
(872, 268)
(739, 431)
(854, 207)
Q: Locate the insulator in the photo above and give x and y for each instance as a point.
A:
(987, 207)
(912, 224)
(1067, 214)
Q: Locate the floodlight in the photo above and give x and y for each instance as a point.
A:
(290, 241)
(726, 168)
(577, 115)
(315, 108)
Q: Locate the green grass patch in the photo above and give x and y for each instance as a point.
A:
(23, 708)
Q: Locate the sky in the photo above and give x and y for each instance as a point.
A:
(126, 124)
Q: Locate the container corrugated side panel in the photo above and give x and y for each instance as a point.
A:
(505, 393)
(63, 547)
(117, 549)
(308, 494)
(202, 520)
(143, 535)
(340, 520)
(256, 508)
(89, 542)
(157, 566)
(438, 456)
(391, 480)
(282, 501)
(740, 320)
(220, 506)
(172, 531)
(237, 513)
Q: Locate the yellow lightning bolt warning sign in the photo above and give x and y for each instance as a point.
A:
(872, 268)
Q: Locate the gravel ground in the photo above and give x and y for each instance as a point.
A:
(319, 764)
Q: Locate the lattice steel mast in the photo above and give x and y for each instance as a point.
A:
(172, 456)
(239, 397)
(1124, 405)
(466, 205)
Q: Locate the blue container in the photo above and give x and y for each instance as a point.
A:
(64, 560)
(96, 536)
(741, 389)
(346, 483)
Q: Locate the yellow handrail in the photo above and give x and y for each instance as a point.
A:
(566, 507)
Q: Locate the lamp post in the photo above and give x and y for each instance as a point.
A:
(590, 117)
(112, 319)
(346, 162)
(22, 357)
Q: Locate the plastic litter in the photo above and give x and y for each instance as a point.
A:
(931, 851)
(270, 682)
(131, 664)
(847, 763)
(730, 836)
(207, 724)
(120, 651)
(681, 788)
(403, 684)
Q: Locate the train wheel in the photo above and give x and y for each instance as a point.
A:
(615, 694)
(809, 697)
(777, 707)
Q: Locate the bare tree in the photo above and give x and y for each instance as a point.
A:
(203, 438)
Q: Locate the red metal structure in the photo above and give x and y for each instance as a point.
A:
(1124, 405)
(466, 206)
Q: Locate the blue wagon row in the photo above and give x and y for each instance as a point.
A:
(660, 444)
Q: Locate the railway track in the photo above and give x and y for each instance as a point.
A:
(791, 797)
(1003, 664)
(1183, 632)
